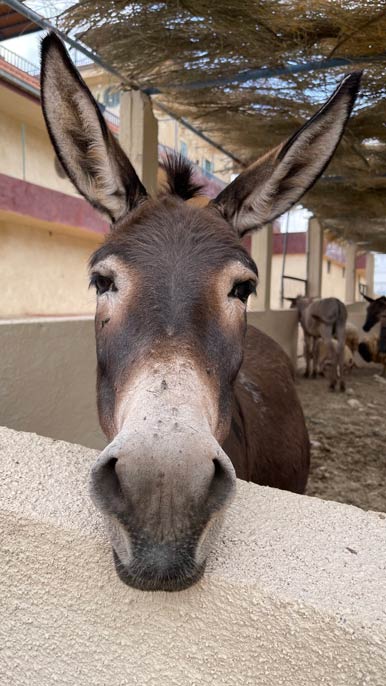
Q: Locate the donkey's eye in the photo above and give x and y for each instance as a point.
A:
(242, 290)
(102, 283)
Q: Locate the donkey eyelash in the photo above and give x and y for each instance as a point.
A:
(102, 283)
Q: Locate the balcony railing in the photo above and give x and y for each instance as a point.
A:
(19, 62)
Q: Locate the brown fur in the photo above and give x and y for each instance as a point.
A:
(271, 449)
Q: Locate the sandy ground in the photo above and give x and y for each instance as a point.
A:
(348, 439)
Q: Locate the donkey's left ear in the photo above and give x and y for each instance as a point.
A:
(270, 186)
(92, 158)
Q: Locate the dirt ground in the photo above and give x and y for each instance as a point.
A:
(348, 439)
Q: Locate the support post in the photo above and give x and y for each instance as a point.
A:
(138, 136)
(314, 258)
(370, 274)
(261, 252)
(351, 252)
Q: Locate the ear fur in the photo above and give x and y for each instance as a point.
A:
(274, 183)
(86, 148)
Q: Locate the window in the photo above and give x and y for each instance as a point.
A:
(111, 97)
(183, 149)
(328, 266)
(208, 166)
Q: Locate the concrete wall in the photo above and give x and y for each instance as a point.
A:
(47, 372)
(282, 326)
(294, 593)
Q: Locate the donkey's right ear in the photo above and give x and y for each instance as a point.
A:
(92, 158)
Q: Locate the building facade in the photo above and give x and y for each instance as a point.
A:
(48, 232)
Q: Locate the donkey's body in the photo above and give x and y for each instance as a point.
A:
(323, 318)
(172, 285)
(268, 441)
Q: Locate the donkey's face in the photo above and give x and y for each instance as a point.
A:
(375, 310)
(172, 283)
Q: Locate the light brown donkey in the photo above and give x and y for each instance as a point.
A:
(183, 412)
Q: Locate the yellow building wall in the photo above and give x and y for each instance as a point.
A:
(333, 282)
(26, 150)
(170, 132)
(295, 265)
(44, 272)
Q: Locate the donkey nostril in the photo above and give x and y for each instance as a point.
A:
(222, 485)
(105, 487)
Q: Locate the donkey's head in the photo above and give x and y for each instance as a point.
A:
(375, 310)
(172, 282)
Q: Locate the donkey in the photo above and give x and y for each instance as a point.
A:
(323, 318)
(375, 309)
(188, 396)
(373, 349)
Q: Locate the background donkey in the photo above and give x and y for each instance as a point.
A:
(172, 284)
(373, 349)
(375, 309)
(323, 318)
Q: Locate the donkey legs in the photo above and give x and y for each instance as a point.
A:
(332, 358)
(307, 354)
(315, 356)
(341, 338)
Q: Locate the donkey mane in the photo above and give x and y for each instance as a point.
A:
(180, 177)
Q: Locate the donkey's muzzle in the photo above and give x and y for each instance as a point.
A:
(162, 508)
(160, 567)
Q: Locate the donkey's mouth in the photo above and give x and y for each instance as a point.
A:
(176, 577)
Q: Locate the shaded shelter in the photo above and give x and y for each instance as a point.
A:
(248, 74)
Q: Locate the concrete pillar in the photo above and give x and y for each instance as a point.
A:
(261, 251)
(351, 252)
(314, 258)
(370, 274)
(138, 136)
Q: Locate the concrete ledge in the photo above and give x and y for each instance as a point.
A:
(282, 326)
(295, 592)
(48, 378)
